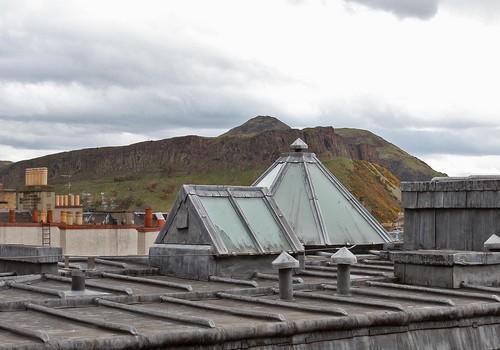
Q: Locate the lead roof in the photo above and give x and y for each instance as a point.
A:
(314, 291)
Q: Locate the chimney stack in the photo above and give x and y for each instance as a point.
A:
(148, 218)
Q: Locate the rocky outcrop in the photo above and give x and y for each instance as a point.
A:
(195, 154)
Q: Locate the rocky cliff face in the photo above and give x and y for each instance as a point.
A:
(189, 154)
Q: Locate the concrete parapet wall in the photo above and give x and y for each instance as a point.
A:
(446, 269)
(97, 241)
(30, 234)
(83, 240)
(450, 214)
(29, 259)
(145, 239)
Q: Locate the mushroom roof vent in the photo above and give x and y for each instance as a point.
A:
(299, 145)
(344, 256)
(285, 261)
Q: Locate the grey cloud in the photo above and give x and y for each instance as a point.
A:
(422, 9)
(368, 113)
(425, 9)
(36, 52)
(483, 9)
(472, 141)
(458, 134)
(107, 79)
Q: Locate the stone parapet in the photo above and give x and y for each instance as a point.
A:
(451, 213)
(447, 269)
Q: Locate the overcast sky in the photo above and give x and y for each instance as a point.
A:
(423, 74)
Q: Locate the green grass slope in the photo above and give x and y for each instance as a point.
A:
(375, 186)
(155, 189)
(405, 166)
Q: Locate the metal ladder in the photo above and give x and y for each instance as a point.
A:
(45, 234)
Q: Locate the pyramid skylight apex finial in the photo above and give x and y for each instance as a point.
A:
(299, 145)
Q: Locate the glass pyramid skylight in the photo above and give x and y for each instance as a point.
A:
(317, 206)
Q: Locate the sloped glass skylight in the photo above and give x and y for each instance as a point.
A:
(228, 225)
(341, 219)
(263, 224)
(268, 180)
(294, 200)
(235, 220)
(320, 210)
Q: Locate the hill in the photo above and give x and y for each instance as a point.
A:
(406, 166)
(150, 173)
(257, 125)
(4, 164)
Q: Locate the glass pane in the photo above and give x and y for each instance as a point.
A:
(293, 200)
(343, 221)
(268, 180)
(228, 224)
(268, 232)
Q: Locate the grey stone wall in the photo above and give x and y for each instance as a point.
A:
(451, 213)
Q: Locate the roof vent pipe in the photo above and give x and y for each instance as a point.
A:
(299, 145)
(285, 263)
(344, 259)
(77, 280)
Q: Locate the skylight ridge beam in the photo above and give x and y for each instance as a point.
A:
(325, 239)
(279, 177)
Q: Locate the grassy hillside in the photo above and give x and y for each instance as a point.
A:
(156, 190)
(403, 164)
(374, 185)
